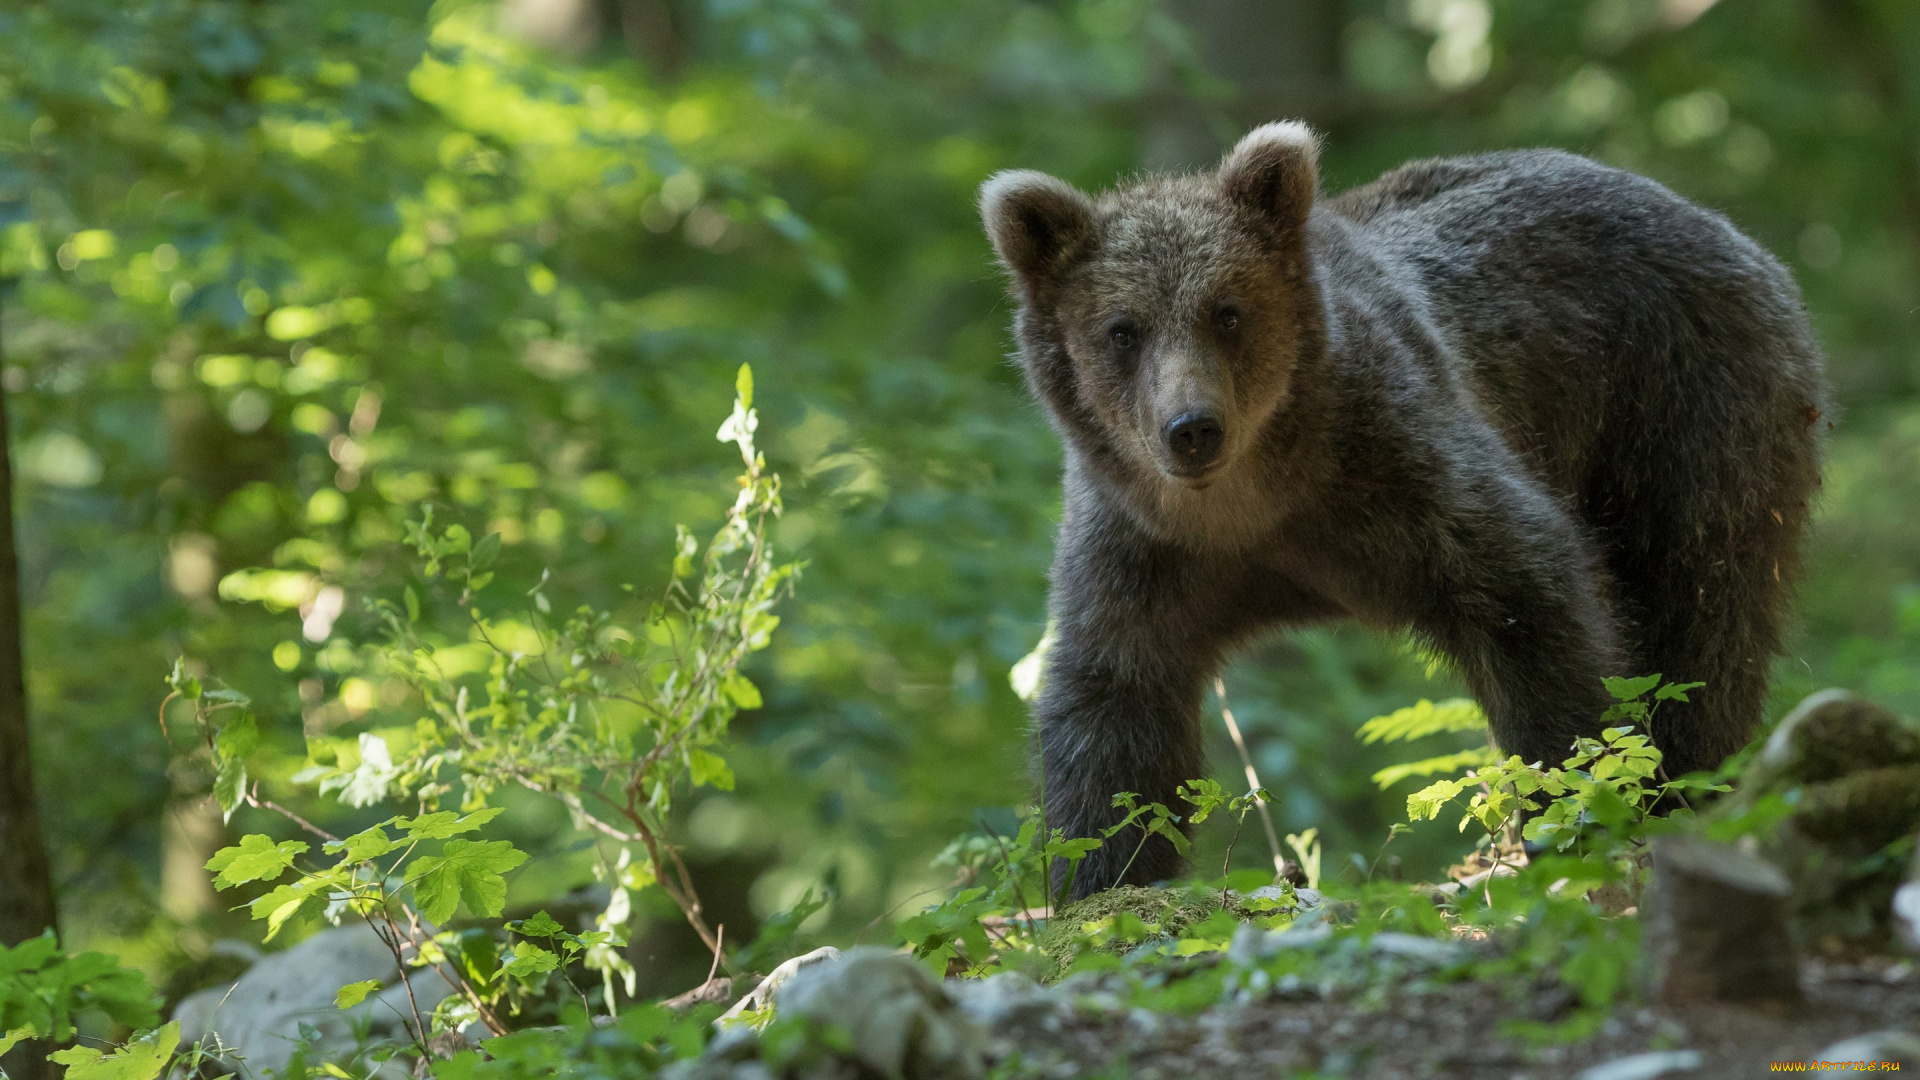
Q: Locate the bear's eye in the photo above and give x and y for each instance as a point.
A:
(1124, 337)
(1227, 318)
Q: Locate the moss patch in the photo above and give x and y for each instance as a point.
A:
(1167, 911)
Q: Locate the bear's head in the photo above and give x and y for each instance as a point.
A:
(1162, 322)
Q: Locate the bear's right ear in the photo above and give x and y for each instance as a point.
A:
(1037, 223)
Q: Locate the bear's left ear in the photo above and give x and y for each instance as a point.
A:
(1273, 171)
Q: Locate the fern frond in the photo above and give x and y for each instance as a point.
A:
(1424, 718)
(1446, 763)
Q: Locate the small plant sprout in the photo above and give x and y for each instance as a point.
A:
(1611, 782)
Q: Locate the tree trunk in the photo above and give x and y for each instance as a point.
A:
(1716, 925)
(26, 879)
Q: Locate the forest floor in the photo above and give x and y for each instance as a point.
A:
(1457, 1032)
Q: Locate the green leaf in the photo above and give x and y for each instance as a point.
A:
(1676, 691)
(257, 858)
(182, 683)
(445, 823)
(1205, 795)
(541, 925)
(743, 386)
(238, 736)
(472, 871)
(286, 901)
(484, 552)
(1425, 804)
(740, 690)
(361, 846)
(354, 993)
(1071, 850)
(1465, 759)
(1167, 827)
(1629, 689)
(529, 959)
(230, 787)
(413, 605)
(143, 1058)
(1424, 718)
(709, 768)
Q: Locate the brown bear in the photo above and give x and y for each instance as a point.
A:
(1550, 417)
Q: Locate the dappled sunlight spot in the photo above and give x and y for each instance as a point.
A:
(1462, 53)
(277, 590)
(318, 614)
(509, 636)
(192, 570)
(1690, 118)
(61, 460)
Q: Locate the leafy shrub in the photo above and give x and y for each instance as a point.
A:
(607, 717)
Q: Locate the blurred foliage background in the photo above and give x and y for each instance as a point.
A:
(277, 274)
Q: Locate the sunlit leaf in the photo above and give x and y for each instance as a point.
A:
(354, 993)
(144, 1057)
(255, 858)
(1630, 689)
(469, 871)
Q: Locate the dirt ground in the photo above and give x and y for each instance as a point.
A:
(1454, 1032)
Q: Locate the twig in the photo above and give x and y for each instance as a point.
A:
(956, 883)
(458, 983)
(1253, 777)
(392, 942)
(254, 800)
(1146, 834)
(1013, 877)
(719, 937)
(1392, 832)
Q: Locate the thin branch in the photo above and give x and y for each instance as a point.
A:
(254, 800)
(400, 964)
(1013, 877)
(1253, 777)
(720, 937)
(458, 983)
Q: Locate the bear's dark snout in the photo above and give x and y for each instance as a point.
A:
(1195, 439)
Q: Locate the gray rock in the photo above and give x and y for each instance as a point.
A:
(1644, 1066)
(1251, 944)
(898, 1018)
(1876, 1046)
(259, 1014)
(761, 996)
(1413, 947)
(1009, 1000)
(1906, 908)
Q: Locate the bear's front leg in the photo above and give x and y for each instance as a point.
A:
(1111, 723)
(1139, 629)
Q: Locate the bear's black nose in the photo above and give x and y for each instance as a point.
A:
(1195, 439)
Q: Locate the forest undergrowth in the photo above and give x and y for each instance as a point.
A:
(617, 719)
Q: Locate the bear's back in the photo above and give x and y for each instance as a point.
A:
(1575, 298)
(1535, 178)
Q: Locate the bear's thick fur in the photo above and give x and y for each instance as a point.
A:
(1553, 418)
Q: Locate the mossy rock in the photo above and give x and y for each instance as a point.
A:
(1852, 771)
(1170, 910)
(1833, 734)
(1869, 809)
